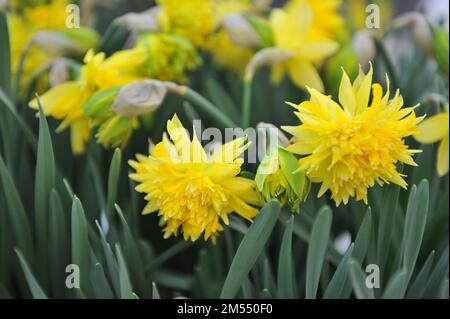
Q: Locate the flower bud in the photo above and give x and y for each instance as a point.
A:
(141, 97)
(248, 32)
(278, 176)
(419, 27)
(143, 21)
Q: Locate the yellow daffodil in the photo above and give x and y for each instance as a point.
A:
(170, 56)
(65, 101)
(223, 50)
(294, 32)
(435, 129)
(350, 147)
(326, 19)
(194, 192)
(192, 19)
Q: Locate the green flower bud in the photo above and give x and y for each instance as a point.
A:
(278, 176)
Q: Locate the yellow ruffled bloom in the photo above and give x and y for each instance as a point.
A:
(170, 56)
(191, 19)
(327, 22)
(350, 147)
(194, 192)
(294, 32)
(65, 101)
(435, 129)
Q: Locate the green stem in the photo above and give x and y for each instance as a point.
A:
(206, 106)
(247, 102)
(388, 63)
(29, 135)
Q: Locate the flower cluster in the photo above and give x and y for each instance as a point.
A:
(347, 144)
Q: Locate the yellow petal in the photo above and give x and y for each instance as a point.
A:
(59, 100)
(180, 137)
(304, 74)
(442, 157)
(346, 95)
(159, 150)
(80, 133)
(433, 129)
(362, 87)
(318, 50)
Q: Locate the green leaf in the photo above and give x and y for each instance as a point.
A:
(250, 248)
(337, 282)
(396, 286)
(126, 291)
(416, 288)
(285, 264)
(20, 226)
(362, 242)
(320, 234)
(45, 179)
(35, 288)
(5, 84)
(80, 242)
(155, 292)
(57, 243)
(265, 294)
(100, 285)
(133, 256)
(415, 222)
(113, 181)
(111, 262)
(363, 237)
(443, 289)
(387, 221)
(5, 55)
(439, 272)
(358, 280)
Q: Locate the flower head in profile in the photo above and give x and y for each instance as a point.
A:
(194, 192)
(352, 146)
(65, 101)
(294, 31)
(224, 51)
(435, 129)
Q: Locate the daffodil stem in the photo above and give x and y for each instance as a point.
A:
(247, 102)
(387, 62)
(206, 106)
